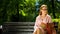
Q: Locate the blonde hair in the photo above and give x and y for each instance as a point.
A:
(40, 12)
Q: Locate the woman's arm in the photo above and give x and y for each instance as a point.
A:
(50, 19)
(37, 22)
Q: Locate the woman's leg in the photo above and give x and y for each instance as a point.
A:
(37, 31)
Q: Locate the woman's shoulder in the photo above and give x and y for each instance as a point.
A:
(38, 17)
(48, 16)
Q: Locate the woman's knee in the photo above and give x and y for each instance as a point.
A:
(38, 29)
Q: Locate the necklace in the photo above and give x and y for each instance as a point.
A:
(43, 17)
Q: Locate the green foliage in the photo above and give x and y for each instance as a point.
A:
(55, 20)
(25, 10)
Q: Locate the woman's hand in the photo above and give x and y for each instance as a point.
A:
(43, 25)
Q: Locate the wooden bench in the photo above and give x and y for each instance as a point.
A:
(18, 27)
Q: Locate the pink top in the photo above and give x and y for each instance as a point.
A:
(47, 19)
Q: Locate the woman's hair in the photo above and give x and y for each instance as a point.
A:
(40, 12)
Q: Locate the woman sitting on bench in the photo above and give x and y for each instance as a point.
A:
(43, 24)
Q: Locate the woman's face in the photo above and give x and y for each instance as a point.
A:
(44, 10)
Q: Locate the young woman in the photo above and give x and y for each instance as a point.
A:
(42, 19)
